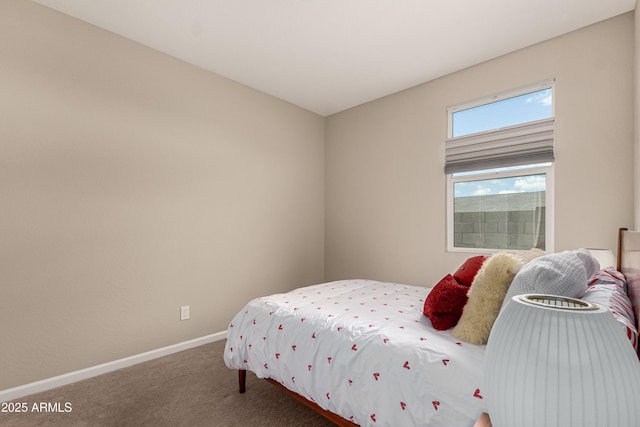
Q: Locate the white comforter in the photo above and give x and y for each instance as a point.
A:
(361, 349)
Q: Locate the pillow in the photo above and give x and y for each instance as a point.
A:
(443, 306)
(605, 257)
(607, 288)
(467, 271)
(562, 273)
(485, 297)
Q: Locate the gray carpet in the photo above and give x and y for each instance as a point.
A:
(189, 388)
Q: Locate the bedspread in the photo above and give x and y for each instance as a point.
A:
(363, 350)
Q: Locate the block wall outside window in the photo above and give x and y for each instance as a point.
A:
(484, 222)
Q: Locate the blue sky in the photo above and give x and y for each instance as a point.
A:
(507, 112)
(487, 187)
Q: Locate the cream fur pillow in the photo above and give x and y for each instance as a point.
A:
(487, 293)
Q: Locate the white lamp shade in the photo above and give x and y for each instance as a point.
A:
(562, 365)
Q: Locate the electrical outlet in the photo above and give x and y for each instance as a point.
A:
(184, 312)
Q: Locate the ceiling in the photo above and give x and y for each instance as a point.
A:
(331, 55)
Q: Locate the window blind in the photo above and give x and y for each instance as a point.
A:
(511, 146)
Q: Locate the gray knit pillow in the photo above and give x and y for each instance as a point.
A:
(563, 273)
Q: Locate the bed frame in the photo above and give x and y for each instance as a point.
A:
(628, 249)
(334, 418)
(629, 265)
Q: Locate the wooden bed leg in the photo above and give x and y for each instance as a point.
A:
(242, 380)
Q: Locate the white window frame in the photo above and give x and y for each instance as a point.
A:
(453, 178)
(549, 204)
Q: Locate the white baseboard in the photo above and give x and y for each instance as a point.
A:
(93, 371)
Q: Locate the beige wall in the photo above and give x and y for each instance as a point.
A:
(132, 183)
(385, 204)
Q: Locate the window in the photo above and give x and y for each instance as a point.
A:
(504, 208)
(499, 165)
(501, 113)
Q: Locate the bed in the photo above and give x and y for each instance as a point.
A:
(363, 352)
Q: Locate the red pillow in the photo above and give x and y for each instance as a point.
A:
(467, 271)
(445, 302)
